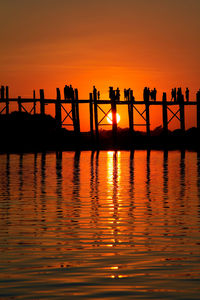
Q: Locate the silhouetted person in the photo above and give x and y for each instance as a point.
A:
(187, 94)
(132, 98)
(76, 94)
(111, 93)
(98, 95)
(146, 94)
(153, 94)
(128, 94)
(117, 94)
(179, 95)
(95, 91)
(173, 94)
(66, 92)
(71, 92)
(175, 98)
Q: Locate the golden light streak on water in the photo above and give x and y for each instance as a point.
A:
(111, 225)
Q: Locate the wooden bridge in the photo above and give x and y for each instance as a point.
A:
(62, 113)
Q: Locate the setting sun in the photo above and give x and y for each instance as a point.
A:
(109, 118)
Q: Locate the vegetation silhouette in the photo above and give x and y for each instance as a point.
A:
(25, 132)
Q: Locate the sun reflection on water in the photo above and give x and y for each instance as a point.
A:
(99, 223)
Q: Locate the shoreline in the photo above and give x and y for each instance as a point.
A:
(21, 132)
(150, 147)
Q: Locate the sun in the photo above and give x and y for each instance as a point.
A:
(109, 118)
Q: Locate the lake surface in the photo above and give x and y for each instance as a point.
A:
(100, 225)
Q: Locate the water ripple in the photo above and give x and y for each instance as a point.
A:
(100, 225)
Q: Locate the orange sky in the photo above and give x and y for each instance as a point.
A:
(49, 43)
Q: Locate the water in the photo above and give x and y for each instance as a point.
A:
(107, 225)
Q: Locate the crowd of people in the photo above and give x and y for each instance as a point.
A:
(177, 95)
(148, 94)
(128, 94)
(68, 92)
(114, 94)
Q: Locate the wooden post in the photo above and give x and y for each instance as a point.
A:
(91, 118)
(198, 109)
(96, 114)
(182, 113)
(7, 100)
(73, 113)
(114, 119)
(58, 116)
(19, 104)
(130, 115)
(164, 111)
(34, 103)
(147, 117)
(2, 92)
(42, 110)
(77, 112)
